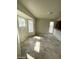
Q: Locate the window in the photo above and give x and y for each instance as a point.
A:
(30, 25)
(21, 22)
(51, 27)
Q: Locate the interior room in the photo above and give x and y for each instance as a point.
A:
(38, 29)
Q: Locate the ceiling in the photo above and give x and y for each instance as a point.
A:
(43, 9)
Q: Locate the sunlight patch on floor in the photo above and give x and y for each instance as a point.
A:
(29, 57)
(37, 47)
(37, 37)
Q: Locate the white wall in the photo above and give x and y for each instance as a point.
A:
(23, 12)
(43, 25)
(24, 32)
(23, 9)
(57, 34)
(18, 46)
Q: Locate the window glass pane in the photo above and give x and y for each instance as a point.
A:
(51, 27)
(30, 25)
(21, 22)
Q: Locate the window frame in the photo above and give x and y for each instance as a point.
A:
(24, 25)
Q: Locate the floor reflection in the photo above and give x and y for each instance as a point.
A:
(48, 47)
(37, 47)
(29, 56)
(37, 37)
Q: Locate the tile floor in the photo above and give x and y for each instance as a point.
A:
(41, 47)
